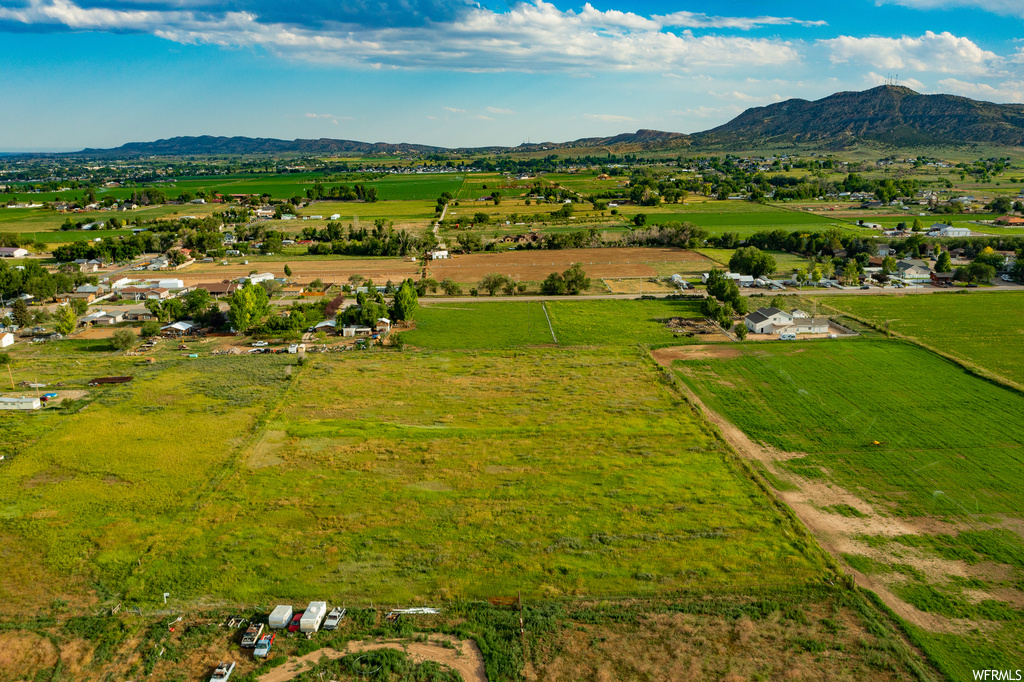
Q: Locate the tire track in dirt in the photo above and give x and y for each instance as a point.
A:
(836, 534)
(466, 658)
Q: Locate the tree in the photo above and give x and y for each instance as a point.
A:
(67, 320)
(287, 270)
(20, 313)
(576, 279)
(750, 260)
(889, 264)
(943, 264)
(469, 242)
(247, 306)
(150, 328)
(197, 302)
(406, 302)
(450, 287)
(492, 282)
(1017, 271)
(123, 339)
(80, 306)
(1001, 204)
(741, 331)
(640, 219)
(553, 285)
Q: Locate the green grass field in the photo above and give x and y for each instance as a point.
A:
(986, 329)
(785, 262)
(380, 476)
(950, 449)
(503, 325)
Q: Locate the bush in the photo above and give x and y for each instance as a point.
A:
(123, 339)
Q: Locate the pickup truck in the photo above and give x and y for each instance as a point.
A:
(333, 618)
(252, 635)
(263, 646)
(223, 672)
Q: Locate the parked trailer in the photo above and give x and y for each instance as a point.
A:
(280, 617)
(314, 616)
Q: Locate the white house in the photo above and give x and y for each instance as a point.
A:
(6, 339)
(913, 271)
(439, 254)
(12, 252)
(768, 320)
(261, 277)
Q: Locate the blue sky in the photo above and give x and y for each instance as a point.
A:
(99, 73)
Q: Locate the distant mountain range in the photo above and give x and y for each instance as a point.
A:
(888, 114)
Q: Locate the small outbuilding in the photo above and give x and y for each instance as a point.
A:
(20, 403)
(6, 339)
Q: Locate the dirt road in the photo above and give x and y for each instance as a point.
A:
(465, 658)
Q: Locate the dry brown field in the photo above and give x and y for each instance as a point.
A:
(534, 266)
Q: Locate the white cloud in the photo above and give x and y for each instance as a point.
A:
(1008, 91)
(936, 52)
(319, 115)
(709, 112)
(454, 110)
(608, 118)
(497, 110)
(700, 20)
(533, 36)
(1010, 7)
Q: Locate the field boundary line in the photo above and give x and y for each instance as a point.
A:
(550, 328)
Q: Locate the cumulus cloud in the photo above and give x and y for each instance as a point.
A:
(447, 34)
(1008, 91)
(936, 52)
(700, 20)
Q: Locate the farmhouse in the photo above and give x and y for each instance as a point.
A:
(438, 254)
(12, 252)
(355, 330)
(943, 230)
(218, 289)
(768, 320)
(913, 270)
(327, 326)
(21, 403)
(6, 339)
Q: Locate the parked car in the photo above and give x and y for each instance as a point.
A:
(259, 344)
(864, 286)
(296, 620)
(252, 635)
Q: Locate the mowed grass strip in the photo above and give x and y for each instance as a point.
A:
(986, 329)
(516, 324)
(484, 325)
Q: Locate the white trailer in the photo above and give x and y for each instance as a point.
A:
(280, 617)
(313, 617)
